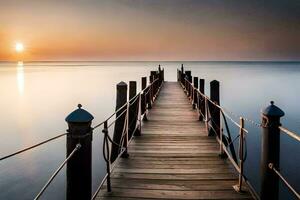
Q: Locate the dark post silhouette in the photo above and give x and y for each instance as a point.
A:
(195, 95)
(160, 75)
(191, 91)
(214, 110)
(150, 93)
(120, 123)
(270, 151)
(201, 100)
(154, 76)
(188, 78)
(79, 167)
(133, 110)
(182, 75)
(163, 74)
(143, 98)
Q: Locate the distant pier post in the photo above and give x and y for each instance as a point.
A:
(182, 75)
(201, 100)
(120, 123)
(214, 110)
(144, 98)
(79, 167)
(188, 77)
(270, 151)
(154, 85)
(150, 93)
(133, 110)
(160, 74)
(195, 95)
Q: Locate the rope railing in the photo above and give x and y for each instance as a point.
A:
(58, 136)
(78, 146)
(125, 140)
(132, 123)
(32, 147)
(290, 133)
(124, 105)
(149, 93)
(242, 157)
(225, 112)
(188, 87)
(209, 121)
(107, 139)
(191, 90)
(271, 166)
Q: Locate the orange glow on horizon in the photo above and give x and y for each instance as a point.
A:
(116, 30)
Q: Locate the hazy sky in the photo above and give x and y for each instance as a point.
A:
(150, 29)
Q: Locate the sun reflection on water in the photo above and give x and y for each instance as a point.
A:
(20, 77)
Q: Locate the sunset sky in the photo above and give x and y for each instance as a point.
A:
(150, 29)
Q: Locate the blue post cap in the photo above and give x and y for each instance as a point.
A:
(79, 116)
(272, 111)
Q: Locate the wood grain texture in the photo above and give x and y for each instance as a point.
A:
(174, 158)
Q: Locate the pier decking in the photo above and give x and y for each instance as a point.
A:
(173, 158)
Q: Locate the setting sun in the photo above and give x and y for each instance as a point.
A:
(19, 47)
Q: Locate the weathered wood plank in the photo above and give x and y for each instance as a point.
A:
(178, 194)
(169, 176)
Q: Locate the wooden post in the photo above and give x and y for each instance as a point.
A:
(150, 93)
(154, 74)
(191, 91)
(188, 73)
(188, 77)
(238, 187)
(201, 99)
(133, 110)
(179, 75)
(144, 98)
(195, 95)
(214, 110)
(120, 123)
(182, 75)
(270, 151)
(79, 167)
(160, 75)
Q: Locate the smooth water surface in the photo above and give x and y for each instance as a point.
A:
(36, 98)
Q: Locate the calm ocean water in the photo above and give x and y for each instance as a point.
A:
(36, 97)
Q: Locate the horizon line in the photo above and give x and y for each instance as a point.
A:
(33, 61)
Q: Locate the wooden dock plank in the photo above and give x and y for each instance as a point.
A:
(174, 158)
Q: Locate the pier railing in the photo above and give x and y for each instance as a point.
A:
(125, 124)
(215, 118)
(133, 112)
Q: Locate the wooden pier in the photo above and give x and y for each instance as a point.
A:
(174, 158)
(169, 141)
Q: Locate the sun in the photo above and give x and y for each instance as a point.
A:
(19, 47)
